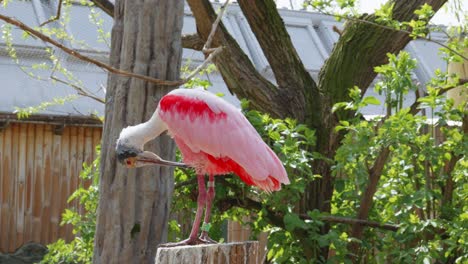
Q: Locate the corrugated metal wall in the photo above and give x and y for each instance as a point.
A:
(39, 169)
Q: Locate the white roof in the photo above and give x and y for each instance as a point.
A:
(311, 33)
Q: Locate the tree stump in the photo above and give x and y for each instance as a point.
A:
(230, 253)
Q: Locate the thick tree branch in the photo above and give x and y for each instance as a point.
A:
(105, 5)
(192, 41)
(82, 57)
(237, 70)
(290, 73)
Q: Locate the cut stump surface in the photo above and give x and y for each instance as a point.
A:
(229, 253)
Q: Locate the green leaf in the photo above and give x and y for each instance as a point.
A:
(292, 221)
(371, 100)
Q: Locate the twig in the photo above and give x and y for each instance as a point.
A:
(80, 56)
(203, 65)
(57, 16)
(393, 29)
(79, 90)
(206, 48)
(215, 26)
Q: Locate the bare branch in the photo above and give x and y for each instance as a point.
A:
(206, 47)
(57, 16)
(204, 64)
(81, 91)
(214, 27)
(80, 56)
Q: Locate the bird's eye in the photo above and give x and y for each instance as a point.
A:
(129, 162)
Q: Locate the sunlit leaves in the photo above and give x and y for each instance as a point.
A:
(384, 15)
(27, 111)
(415, 177)
(396, 79)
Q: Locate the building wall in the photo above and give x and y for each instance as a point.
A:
(39, 168)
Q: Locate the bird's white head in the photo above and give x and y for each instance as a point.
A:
(130, 151)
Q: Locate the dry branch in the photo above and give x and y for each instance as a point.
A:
(80, 91)
(206, 47)
(57, 16)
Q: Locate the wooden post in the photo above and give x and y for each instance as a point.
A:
(229, 253)
(459, 94)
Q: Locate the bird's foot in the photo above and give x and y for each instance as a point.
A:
(204, 237)
(187, 242)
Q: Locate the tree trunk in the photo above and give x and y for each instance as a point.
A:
(134, 204)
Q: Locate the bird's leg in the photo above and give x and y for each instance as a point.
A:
(201, 201)
(209, 201)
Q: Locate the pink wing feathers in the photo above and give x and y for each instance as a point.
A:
(208, 124)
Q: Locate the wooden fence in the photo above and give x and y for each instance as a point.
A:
(39, 168)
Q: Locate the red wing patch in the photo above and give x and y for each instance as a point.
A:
(191, 107)
(228, 165)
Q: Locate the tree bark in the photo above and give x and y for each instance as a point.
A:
(134, 204)
(290, 73)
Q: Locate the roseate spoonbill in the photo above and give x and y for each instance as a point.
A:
(214, 138)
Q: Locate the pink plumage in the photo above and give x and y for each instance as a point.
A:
(215, 138)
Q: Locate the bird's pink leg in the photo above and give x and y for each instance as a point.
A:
(201, 201)
(209, 202)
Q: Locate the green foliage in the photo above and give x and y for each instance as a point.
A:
(415, 177)
(197, 81)
(396, 80)
(80, 249)
(27, 111)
